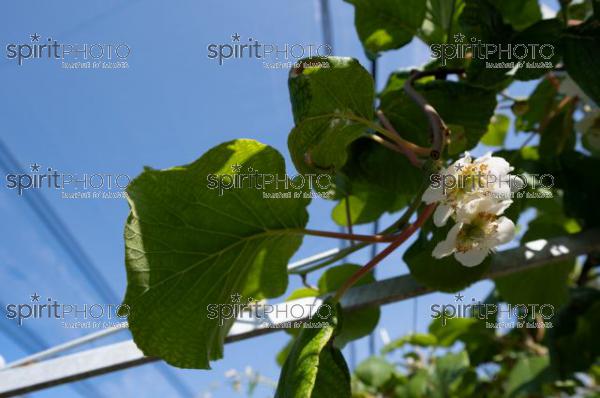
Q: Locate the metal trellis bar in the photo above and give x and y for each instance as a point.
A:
(113, 357)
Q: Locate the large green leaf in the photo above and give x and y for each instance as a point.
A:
(457, 103)
(580, 47)
(387, 24)
(188, 247)
(315, 368)
(332, 102)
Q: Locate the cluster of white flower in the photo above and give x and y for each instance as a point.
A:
(474, 193)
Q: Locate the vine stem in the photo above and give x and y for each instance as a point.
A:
(401, 238)
(438, 127)
(345, 236)
(405, 150)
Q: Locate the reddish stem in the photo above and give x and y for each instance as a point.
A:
(401, 238)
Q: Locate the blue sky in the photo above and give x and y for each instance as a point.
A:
(169, 107)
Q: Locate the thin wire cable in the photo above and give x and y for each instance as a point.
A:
(42, 208)
(375, 223)
(44, 211)
(326, 24)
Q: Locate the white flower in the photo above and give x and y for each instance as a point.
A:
(467, 180)
(479, 230)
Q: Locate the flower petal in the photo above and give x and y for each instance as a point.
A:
(468, 209)
(471, 258)
(498, 166)
(441, 215)
(432, 195)
(499, 207)
(505, 232)
(447, 246)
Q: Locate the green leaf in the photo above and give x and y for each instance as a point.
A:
(372, 188)
(439, 19)
(457, 103)
(375, 372)
(530, 46)
(302, 293)
(539, 104)
(519, 13)
(387, 24)
(558, 134)
(480, 20)
(580, 196)
(497, 131)
(418, 339)
(526, 377)
(445, 274)
(574, 338)
(356, 324)
(580, 48)
(448, 373)
(332, 102)
(449, 330)
(480, 341)
(314, 368)
(284, 352)
(546, 36)
(366, 206)
(458, 140)
(578, 11)
(188, 248)
(544, 285)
